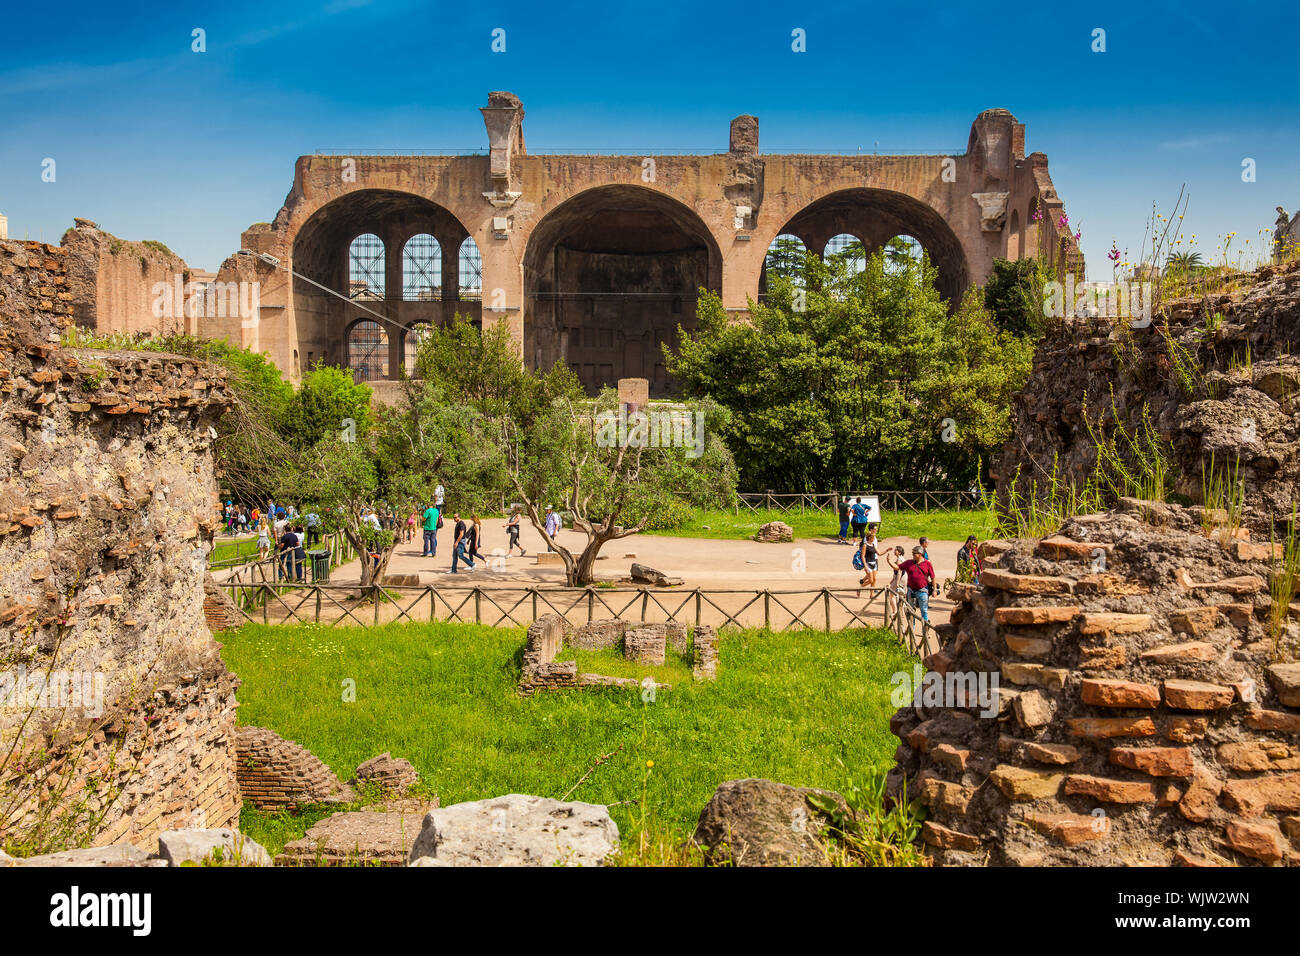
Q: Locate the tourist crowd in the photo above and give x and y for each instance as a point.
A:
(285, 533)
(281, 531)
(914, 576)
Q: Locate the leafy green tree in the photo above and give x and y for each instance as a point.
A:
(427, 442)
(328, 403)
(469, 386)
(476, 416)
(852, 257)
(611, 480)
(339, 482)
(900, 252)
(1014, 296)
(481, 368)
(786, 258)
(873, 383)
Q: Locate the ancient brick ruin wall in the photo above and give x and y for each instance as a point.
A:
(219, 610)
(112, 282)
(539, 668)
(644, 643)
(1146, 716)
(107, 508)
(1253, 416)
(275, 773)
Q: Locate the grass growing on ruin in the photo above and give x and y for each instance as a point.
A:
(936, 525)
(785, 706)
(1282, 586)
(675, 670)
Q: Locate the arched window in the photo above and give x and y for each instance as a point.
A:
(848, 248)
(787, 257)
(902, 253)
(411, 340)
(421, 269)
(366, 267)
(368, 351)
(471, 270)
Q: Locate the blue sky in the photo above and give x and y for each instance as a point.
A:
(155, 141)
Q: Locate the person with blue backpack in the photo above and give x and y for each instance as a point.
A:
(867, 558)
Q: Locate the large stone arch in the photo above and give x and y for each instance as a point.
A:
(320, 254)
(876, 216)
(958, 203)
(609, 274)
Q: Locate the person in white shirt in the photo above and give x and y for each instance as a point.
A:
(552, 525)
(438, 494)
(371, 520)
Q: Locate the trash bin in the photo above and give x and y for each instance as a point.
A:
(320, 565)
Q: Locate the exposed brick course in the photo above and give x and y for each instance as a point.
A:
(1168, 735)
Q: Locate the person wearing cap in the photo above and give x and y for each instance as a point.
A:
(552, 526)
(920, 579)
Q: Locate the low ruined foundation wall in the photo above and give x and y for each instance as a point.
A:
(1222, 387)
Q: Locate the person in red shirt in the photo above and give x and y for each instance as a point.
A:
(920, 579)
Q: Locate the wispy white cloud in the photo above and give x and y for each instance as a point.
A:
(62, 75)
(1196, 142)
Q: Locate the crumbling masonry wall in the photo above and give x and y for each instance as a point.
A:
(107, 507)
(275, 773)
(1146, 714)
(1243, 413)
(645, 643)
(112, 282)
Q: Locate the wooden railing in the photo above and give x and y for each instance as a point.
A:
(250, 583)
(889, 500)
(917, 634)
(822, 609)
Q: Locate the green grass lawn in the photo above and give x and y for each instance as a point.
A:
(936, 525)
(236, 548)
(785, 706)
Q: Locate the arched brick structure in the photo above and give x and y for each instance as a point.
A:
(608, 276)
(559, 233)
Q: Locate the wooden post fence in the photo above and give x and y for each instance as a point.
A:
(343, 605)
